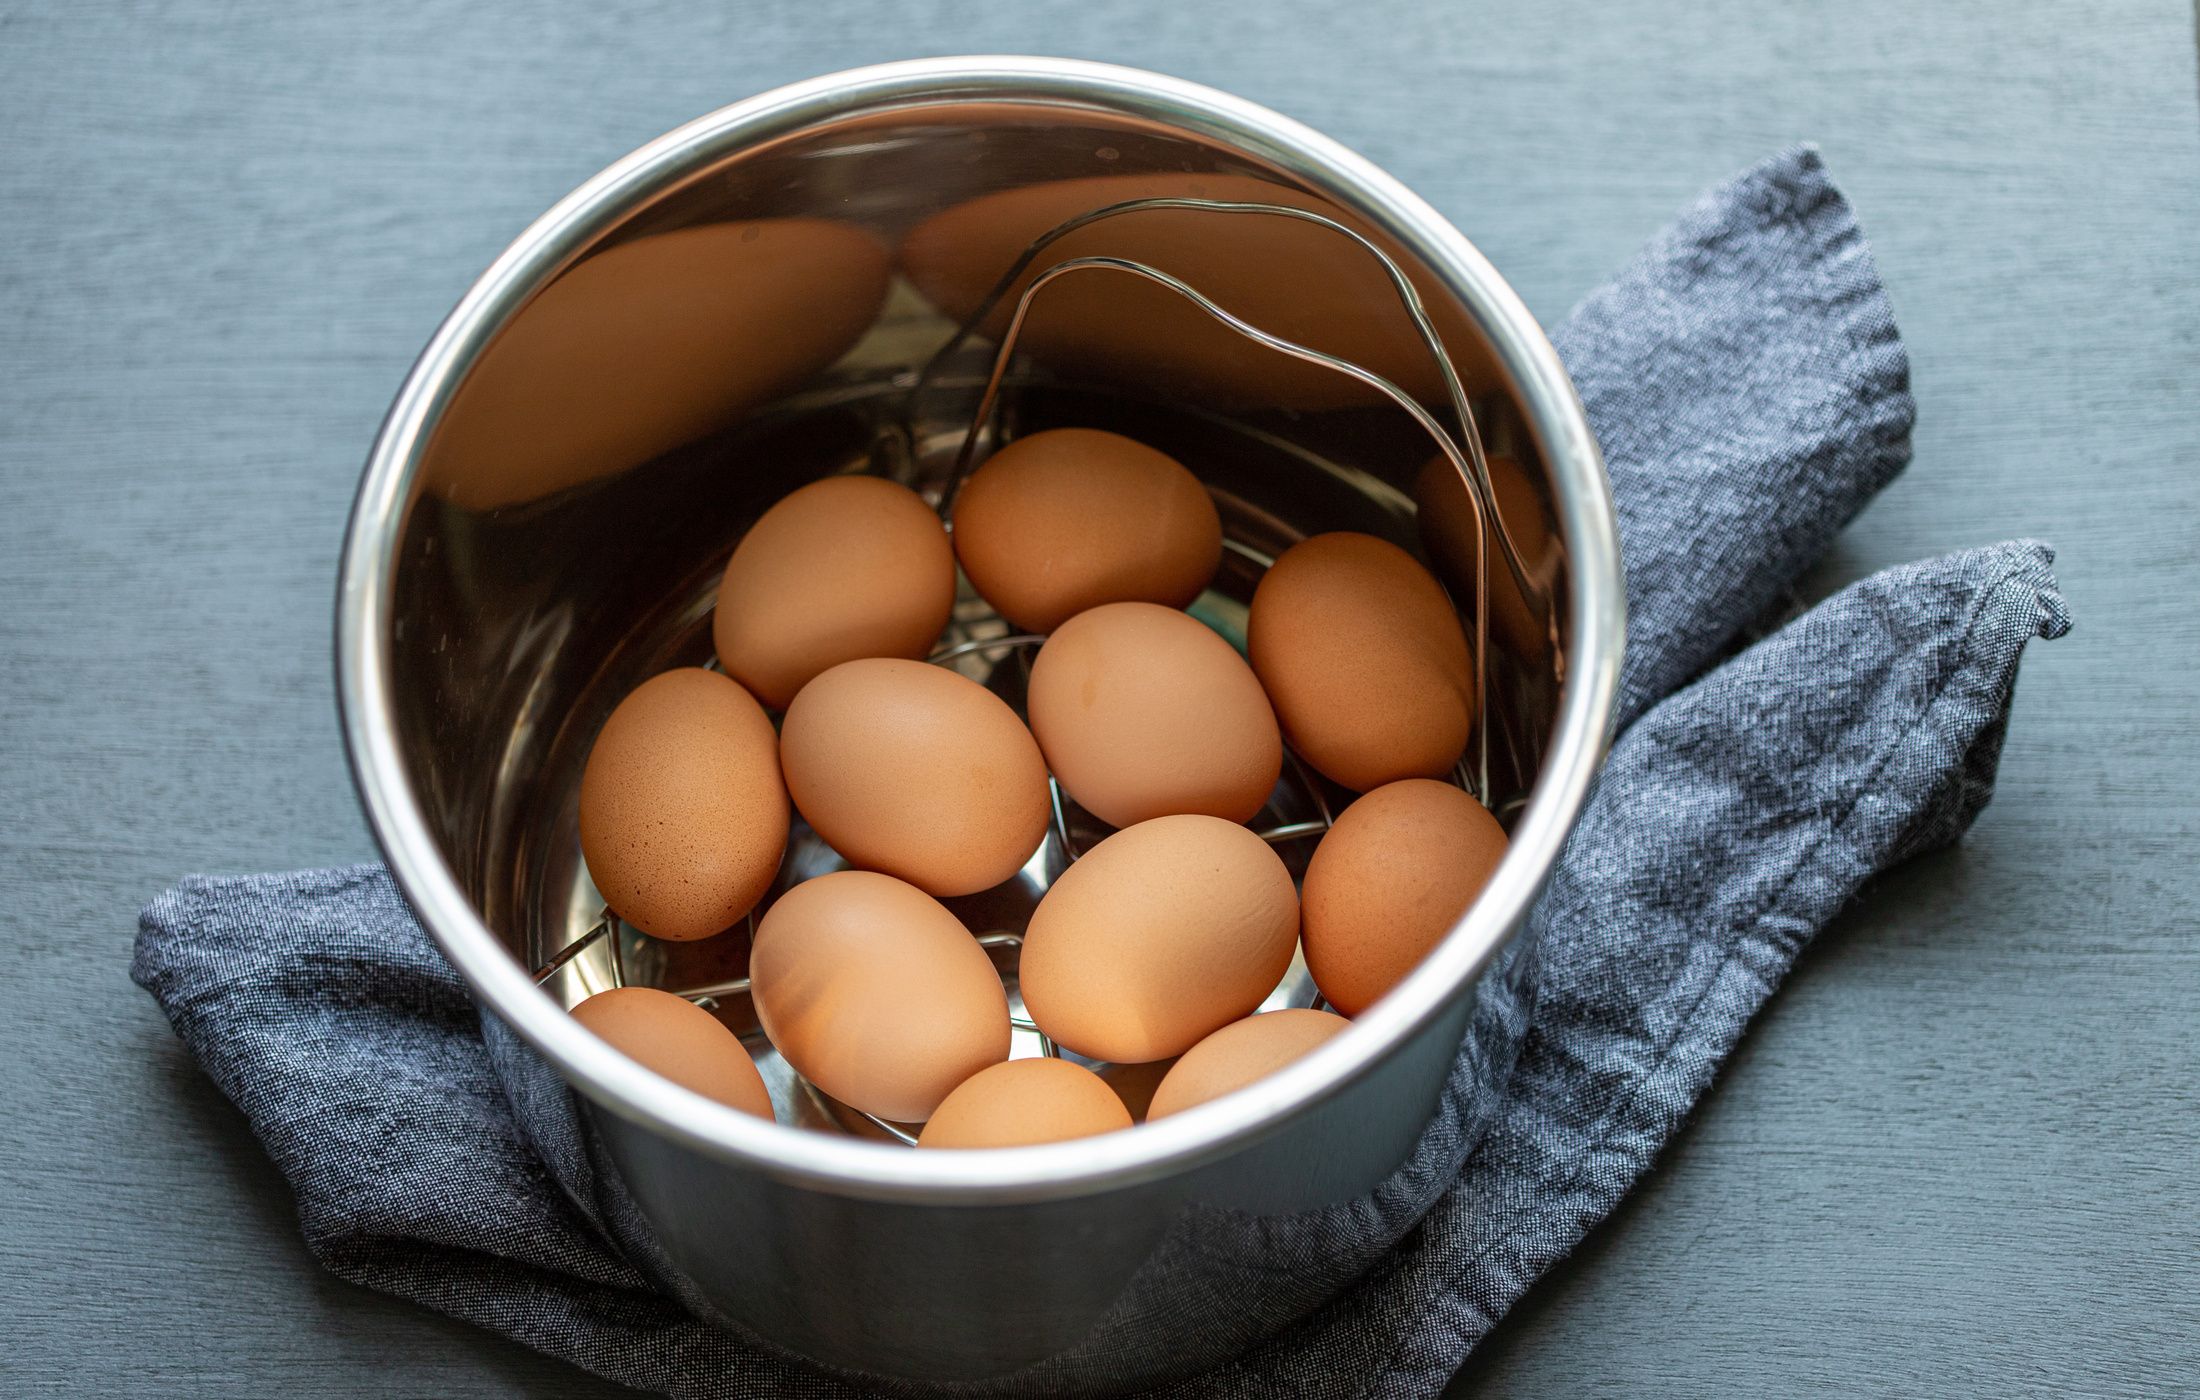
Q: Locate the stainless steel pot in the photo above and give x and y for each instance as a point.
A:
(739, 307)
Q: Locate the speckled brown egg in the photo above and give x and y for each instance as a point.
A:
(1020, 1102)
(679, 1040)
(683, 815)
(1066, 520)
(1239, 1054)
(917, 771)
(1365, 660)
(1143, 711)
(847, 567)
(1388, 881)
(876, 994)
(1160, 934)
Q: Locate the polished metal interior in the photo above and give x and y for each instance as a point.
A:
(982, 645)
(749, 304)
(596, 585)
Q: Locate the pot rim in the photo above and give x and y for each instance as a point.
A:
(1052, 1171)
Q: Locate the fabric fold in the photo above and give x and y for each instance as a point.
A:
(1751, 393)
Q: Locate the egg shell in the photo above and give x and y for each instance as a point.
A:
(683, 815)
(876, 994)
(1066, 520)
(1143, 711)
(847, 567)
(1388, 881)
(649, 344)
(1163, 932)
(1364, 659)
(1021, 1102)
(917, 771)
(679, 1040)
(1239, 1054)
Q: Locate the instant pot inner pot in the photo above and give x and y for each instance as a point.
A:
(767, 324)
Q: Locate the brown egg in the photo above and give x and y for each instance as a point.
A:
(1160, 934)
(1143, 711)
(649, 344)
(917, 771)
(1388, 881)
(1066, 520)
(876, 994)
(847, 567)
(1296, 279)
(1020, 1102)
(679, 1040)
(1449, 529)
(683, 814)
(1239, 1054)
(1365, 660)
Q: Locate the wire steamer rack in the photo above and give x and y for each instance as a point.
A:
(980, 643)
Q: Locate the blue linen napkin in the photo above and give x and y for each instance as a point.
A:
(1750, 391)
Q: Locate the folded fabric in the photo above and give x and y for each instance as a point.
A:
(1751, 394)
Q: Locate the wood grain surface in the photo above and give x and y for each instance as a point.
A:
(1957, 1155)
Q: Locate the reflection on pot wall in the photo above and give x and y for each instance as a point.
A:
(650, 344)
(1291, 278)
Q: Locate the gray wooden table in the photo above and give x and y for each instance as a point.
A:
(1957, 1154)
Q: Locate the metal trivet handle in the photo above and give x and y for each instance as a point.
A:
(1465, 453)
